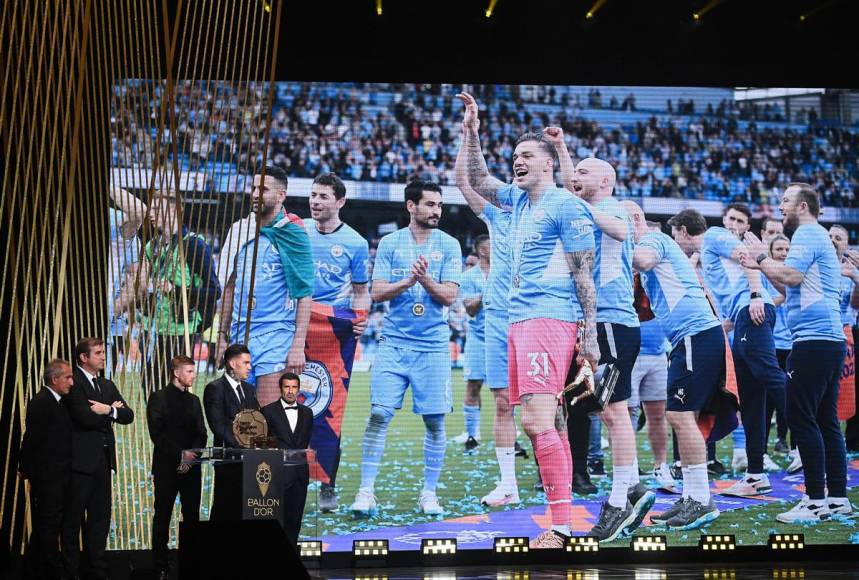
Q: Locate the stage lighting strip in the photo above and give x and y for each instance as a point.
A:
(717, 542)
(649, 544)
(517, 545)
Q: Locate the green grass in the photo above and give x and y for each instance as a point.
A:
(464, 480)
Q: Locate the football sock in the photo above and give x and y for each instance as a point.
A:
(555, 473)
(374, 444)
(434, 447)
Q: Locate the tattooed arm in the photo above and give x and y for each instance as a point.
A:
(476, 172)
(581, 266)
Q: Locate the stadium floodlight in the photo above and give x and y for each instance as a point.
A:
(310, 549)
(592, 11)
(438, 546)
(582, 544)
(786, 541)
(718, 542)
(511, 545)
(370, 548)
(649, 544)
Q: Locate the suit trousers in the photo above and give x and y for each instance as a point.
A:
(294, 497)
(88, 504)
(168, 484)
(47, 500)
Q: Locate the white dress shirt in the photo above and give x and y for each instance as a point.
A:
(291, 413)
(236, 386)
(91, 378)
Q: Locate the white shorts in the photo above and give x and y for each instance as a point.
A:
(649, 379)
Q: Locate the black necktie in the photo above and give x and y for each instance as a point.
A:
(241, 395)
(97, 389)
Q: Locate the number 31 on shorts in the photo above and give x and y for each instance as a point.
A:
(538, 360)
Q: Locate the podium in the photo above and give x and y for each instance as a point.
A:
(257, 542)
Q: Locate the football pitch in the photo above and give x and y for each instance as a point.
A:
(464, 480)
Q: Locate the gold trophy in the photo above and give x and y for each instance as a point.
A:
(250, 429)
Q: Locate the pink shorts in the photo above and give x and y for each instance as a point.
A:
(540, 352)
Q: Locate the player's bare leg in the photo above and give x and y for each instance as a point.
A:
(268, 389)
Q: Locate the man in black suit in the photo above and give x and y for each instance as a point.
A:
(94, 404)
(46, 461)
(223, 398)
(175, 419)
(291, 425)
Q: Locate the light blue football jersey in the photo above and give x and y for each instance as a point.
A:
(474, 282)
(498, 283)
(813, 311)
(415, 321)
(271, 308)
(676, 296)
(613, 270)
(543, 233)
(724, 277)
(340, 259)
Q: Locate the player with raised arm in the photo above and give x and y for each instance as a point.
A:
(810, 277)
(747, 303)
(618, 328)
(340, 257)
(274, 310)
(551, 289)
(495, 305)
(696, 363)
(417, 270)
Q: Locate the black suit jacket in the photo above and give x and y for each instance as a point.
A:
(222, 405)
(46, 449)
(278, 427)
(92, 432)
(175, 420)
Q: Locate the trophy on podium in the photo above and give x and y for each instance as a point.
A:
(251, 430)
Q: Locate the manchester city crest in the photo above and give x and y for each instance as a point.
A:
(337, 250)
(316, 387)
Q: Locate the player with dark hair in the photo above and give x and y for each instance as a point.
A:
(744, 300)
(417, 270)
(552, 288)
(810, 278)
(340, 257)
(268, 298)
(696, 363)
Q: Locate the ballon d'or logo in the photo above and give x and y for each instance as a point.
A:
(263, 477)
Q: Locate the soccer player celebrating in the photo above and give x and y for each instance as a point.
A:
(810, 276)
(696, 363)
(495, 305)
(269, 293)
(745, 300)
(619, 332)
(552, 243)
(340, 256)
(418, 270)
(473, 286)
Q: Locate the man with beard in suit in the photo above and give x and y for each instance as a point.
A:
(291, 425)
(46, 460)
(223, 399)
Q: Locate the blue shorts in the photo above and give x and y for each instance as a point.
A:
(696, 367)
(268, 353)
(428, 373)
(495, 329)
(619, 345)
(475, 360)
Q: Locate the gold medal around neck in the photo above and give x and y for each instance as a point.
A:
(418, 309)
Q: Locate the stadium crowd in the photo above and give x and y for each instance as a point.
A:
(390, 133)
